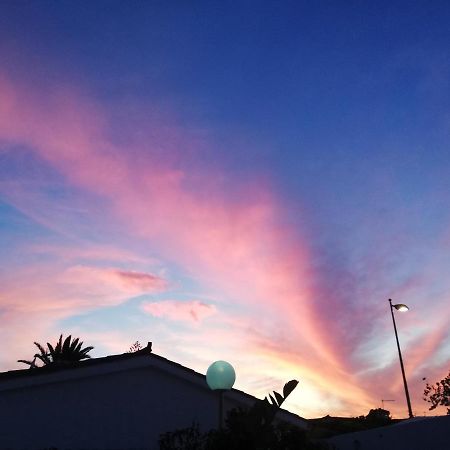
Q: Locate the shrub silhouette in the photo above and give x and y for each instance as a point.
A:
(65, 352)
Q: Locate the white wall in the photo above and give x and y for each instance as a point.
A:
(120, 410)
(431, 433)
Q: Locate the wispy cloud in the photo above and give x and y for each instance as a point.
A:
(72, 290)
(186, 311)
(301, 313)
(140, 282)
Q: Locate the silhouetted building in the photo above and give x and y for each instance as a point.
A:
(116, 402)
(419, 433)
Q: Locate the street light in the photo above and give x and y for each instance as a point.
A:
(401, 307)
(220, 377)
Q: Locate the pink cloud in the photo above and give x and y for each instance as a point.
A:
(229, 237)
(100, 281)
(140, 282)
(33, 299)
(74, 289)
(185, 311)
(234, 243)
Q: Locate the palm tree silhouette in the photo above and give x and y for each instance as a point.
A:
(62, 353)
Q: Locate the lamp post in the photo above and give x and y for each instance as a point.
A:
(220, 377)
(401, 307)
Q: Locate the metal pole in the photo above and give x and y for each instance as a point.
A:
(408, 401)
(221, 392)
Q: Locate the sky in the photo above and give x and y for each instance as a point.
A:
(244, 181)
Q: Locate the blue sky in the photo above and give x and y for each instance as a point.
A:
(261, 174)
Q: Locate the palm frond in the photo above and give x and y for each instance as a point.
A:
(58, 347)
(64, 351)
(87, 349)
(74, 344)
(44, 358)
(66, 345)
(52, 350)
(30, 363)
(41, 349)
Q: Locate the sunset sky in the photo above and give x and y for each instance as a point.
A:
(239, 180)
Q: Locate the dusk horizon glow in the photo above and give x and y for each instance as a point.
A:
(248, 184)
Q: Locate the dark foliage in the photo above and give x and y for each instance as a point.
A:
(378, 416)
(243, 433)
(329, 426)
(184, 439)
(65, 352)
(245, 429)
(135, 347)
(438, 394)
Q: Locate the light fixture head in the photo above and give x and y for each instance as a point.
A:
(401, 307)
(220, 375)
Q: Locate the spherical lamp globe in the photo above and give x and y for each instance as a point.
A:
(220, 375)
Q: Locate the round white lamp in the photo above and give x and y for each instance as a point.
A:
(220, 377)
